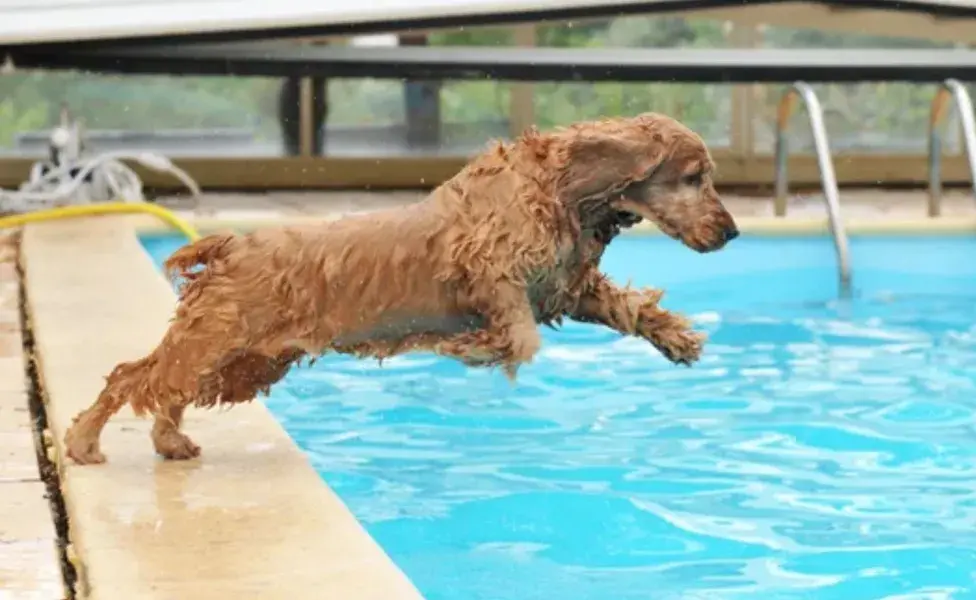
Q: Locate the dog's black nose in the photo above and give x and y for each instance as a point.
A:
(731, 233)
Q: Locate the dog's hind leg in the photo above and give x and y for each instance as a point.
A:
(167, 438)
(240, 378)
(81, 441)
(170, 376)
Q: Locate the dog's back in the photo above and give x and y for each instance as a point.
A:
(359, 277)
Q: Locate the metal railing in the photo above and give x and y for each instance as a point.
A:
(950, 89)
(828, 181)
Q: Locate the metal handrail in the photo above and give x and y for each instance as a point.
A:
(828, 180)
(950, 88)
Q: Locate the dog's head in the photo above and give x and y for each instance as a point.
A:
(618, 172)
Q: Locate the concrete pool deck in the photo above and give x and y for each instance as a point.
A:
(864, 211)
(29, 563)
(250, 518)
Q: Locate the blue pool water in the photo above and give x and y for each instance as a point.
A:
(821, 449)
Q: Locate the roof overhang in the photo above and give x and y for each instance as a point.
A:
(99, 22)
(277, 59)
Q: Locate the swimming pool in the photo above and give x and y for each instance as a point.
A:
(821, 449)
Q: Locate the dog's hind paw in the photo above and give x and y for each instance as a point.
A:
(87, 456)
(176, 446)
(82, 450)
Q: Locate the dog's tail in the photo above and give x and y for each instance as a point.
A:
(200, 253)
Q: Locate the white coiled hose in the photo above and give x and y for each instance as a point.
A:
(70, 179)
(111, 181)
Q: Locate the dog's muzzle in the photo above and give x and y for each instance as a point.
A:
(718, 236)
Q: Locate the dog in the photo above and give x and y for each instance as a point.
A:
(512, 241)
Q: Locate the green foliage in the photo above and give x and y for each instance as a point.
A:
(861, 117)
(472, 36)
(32, 101)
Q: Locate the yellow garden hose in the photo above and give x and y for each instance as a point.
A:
(109, 208)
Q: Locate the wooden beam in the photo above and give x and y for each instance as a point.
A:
(743, 35)
(306, 118)
(521, 111)
(405, 173)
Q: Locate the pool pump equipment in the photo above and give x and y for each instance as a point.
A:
(70, 176)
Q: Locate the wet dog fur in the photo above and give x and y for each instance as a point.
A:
(512, 241)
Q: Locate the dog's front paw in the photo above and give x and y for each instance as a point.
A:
(683, 347)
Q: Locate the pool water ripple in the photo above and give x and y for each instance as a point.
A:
(820, 449)
(830, 453)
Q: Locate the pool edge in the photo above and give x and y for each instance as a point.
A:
(251, 514)
(756, 226)
(30, 565)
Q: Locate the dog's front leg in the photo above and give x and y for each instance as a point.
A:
(510, 336)
(636, 312)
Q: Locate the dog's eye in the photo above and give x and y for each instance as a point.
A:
(693, 180)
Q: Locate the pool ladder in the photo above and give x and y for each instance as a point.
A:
(948, 89)
(828, 180)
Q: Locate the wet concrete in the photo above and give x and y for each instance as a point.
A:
(29, 563)
(249, 519)
(863, 211)
(855, 204)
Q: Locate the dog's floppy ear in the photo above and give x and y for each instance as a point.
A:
(599, 164)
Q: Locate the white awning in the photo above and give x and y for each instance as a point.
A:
(37, 21)
(43, 21)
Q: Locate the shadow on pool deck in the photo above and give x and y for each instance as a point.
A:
(250, 518)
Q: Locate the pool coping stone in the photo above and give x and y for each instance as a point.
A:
(249, 518)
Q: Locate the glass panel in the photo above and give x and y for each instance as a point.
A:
(180, 116)
(705, 108)
(368, 117)
(887, 117)
(233, 116)
(473, 112)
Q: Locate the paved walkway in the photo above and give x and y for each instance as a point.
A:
(29, 563)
